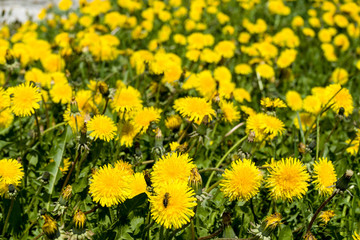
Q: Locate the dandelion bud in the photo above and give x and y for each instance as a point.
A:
(104, 89)
(159, 139)
(195, 180)
(341, 111)
(74, 109)
(11, 188)
(83, 136)
(79, 222)
(50, 227)
(302, 148)
(65, 195)
(343, 183)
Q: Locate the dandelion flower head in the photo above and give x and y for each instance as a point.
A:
(242, 181)
(288, 179)
(194, 108)
(110, 185)
(171, 167)
(325, 176)
(25, 100)
(172, 205)
(102, 127)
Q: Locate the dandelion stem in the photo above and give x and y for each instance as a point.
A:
(38, 236)
(223, 158)
(213, 186)
(53, 127)
(106, 104)
(92, 210)
(192, 229)
(8, 216)
(328, 137)
(319, 209)
(37, 126)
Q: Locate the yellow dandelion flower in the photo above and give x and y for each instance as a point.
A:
(11, 171)
(272, 126)
(269, 103)
(241, 94)
(254, 124)
(171, 167)
(243, 69)
(294, 100)
(265, 71)
(288, 179)
(110, 186)
(173, 122)
(128, 132)
(102, 127)
(126, 98)
(61, 92)
(84, 99)
(242, 181)
(312, 104)
(325, 176)
(25, 100)
(340, 75)
(231, 114)
(354, 148)
(6, 118)
(194, 108)
(327, 215)
(143, 117)
(137, 185)
(342, 99)
(172, 205)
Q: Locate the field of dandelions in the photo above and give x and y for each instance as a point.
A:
(179, 119)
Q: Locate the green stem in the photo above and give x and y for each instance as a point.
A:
(213, 186)
(223, 158)
(192, 229)
(161, 232)
(37, 126)
(28, 228)
(317, 137)
(8, 216)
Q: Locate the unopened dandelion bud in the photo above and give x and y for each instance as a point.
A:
(50, 227)
(341, 111)
(74, 108)
(302, 148)
(79, 222)
(104, 89)
(83, 134)
(65, 195)
(159, 139)
(195, 181)
(45, 177)
(343, 183)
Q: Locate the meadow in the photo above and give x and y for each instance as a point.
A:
(179, 119)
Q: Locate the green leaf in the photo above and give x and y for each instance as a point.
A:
(59, 149)
(285, 234)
